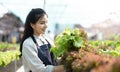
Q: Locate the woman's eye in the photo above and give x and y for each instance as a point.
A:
(42, 23)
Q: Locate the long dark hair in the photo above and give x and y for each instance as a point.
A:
(33, 16)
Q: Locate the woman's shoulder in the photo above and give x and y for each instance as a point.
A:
(28, 41)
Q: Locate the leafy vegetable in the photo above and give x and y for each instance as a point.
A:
(69, 40)
(8, 53)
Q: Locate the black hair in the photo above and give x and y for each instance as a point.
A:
(33, 16)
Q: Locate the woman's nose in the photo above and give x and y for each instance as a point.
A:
(46, 25)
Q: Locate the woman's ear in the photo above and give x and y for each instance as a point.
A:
(32, 25)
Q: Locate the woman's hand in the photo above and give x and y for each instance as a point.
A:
(59, 68)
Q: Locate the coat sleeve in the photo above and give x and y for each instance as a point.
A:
(32, 60)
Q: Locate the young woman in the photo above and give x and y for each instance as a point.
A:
(35, 46)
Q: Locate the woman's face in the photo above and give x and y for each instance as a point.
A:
(40, 26)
